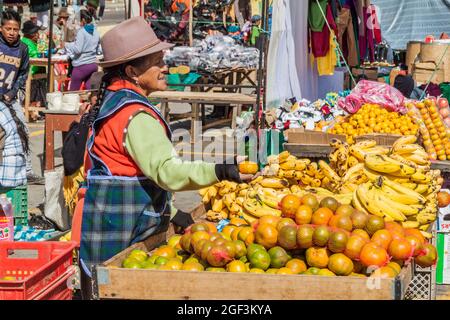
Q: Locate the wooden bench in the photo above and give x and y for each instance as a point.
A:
(236, 100)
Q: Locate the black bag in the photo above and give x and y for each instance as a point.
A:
(69, 68)
(74, 146)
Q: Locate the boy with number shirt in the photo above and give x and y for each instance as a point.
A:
(14, 67)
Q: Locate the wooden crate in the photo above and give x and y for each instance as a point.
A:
(382, 139)
(113, 282)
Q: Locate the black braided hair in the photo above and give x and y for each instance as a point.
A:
(21, 130)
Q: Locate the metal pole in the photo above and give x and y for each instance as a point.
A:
(129, 9)
(191, 18)
(259, 124)
(50, 43)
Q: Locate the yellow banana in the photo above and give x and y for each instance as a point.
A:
(300, 165)
(275, 183)
(212, 191)
(319, 174)
(410, 185)
(203, 191)
(289, 174)
(406, 148)
(311, 169)
(406, 210)
(420, 177)
(217, 206)
(229, 199)
(242, 186)
(254, 207)
(403, 160)
(295, 188)
(401, 189)
(315, 183)
(358, 153)
(379, 163)
(400, 197)
(404, 140)
(248, 217)
(283, 156)
(410, 224)
(355, 170)
(367, 200)
(336, 143)
(225, 190)
(256, 180)
(386, 206)
(357, 203)
(269, 201)
(235, 208)
(288, 165)
(377, 150)
(206, 198)
(306, 180)
(352, 161)
(418, 159)
(365, 144)
(243, 192)
(240, 201)
(328, 171)
(345, 198)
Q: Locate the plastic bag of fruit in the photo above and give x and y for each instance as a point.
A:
(373, 92)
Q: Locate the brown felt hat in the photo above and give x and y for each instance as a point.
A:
(129, 40)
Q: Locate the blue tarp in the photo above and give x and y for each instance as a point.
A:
(409, 20)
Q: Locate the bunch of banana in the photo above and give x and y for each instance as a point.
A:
(298, 171)
(339, 157)
(405, 149)
(255, 208)
(225, 198)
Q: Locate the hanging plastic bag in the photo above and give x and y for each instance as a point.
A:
(373, 92)
(54, 208)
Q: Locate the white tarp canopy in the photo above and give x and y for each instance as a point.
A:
(409, 20)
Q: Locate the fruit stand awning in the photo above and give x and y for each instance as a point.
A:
(403, 21)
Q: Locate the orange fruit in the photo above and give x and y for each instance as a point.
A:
(270, 220)
(266, 235)
(303, 215)
(289, 205)
(321, 216)
(248, 167)
(382, 237)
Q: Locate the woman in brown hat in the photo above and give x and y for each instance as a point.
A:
(133, 167)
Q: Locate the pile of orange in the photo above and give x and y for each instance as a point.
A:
(372, 118)
(433, 129)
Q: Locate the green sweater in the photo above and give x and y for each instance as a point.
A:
(33, 53)
(148, 145)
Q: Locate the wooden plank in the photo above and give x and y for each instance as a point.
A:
(444, 166)
(305, 150)
(204, 97)
(182, 285)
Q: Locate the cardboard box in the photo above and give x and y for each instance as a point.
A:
(443, 263)
(422, 72)
(308, 137)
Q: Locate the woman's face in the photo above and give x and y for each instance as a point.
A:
(152, 75)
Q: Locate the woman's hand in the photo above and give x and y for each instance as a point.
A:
(246, 177)
(84, 108)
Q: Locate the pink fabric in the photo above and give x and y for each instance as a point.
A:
(373, 92)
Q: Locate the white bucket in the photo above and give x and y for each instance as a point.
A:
(54, 100)
(71, 102)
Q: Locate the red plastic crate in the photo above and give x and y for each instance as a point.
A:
(59, 290)
(35, 265)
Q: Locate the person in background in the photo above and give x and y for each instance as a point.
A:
(83, 52)
(101, 10)
(91, 7)
(60, 26)
(38, 86)
(15, 66)
(255, 30)
(406, 85)
(41, 8)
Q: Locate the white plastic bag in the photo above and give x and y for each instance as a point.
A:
(55, 209)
